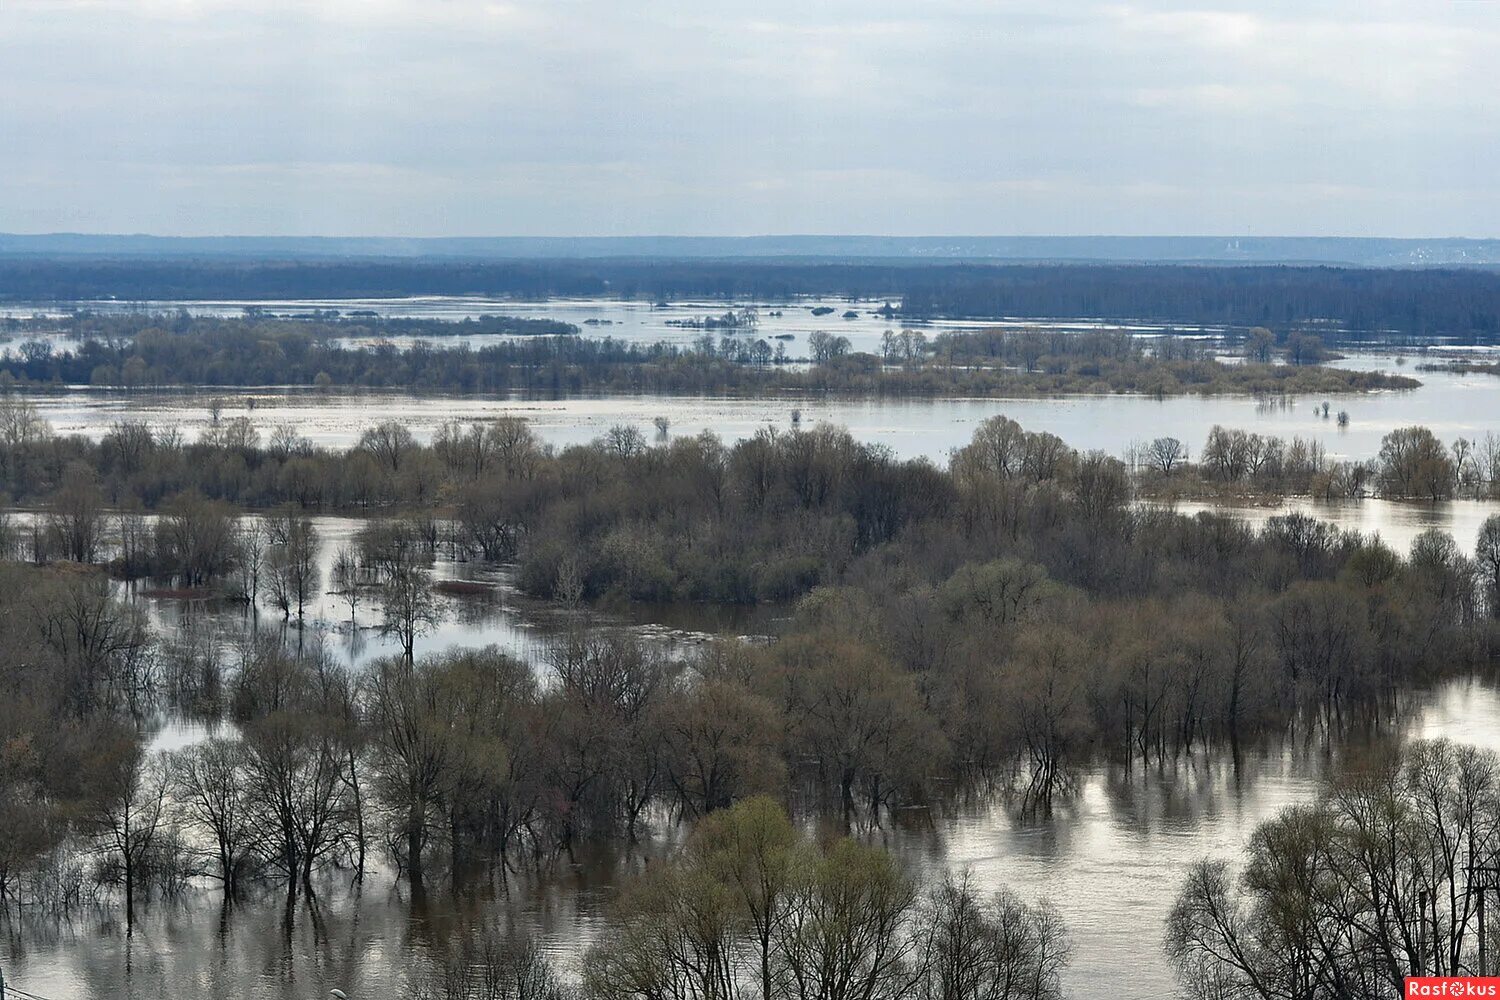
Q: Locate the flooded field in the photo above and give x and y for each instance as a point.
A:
(1110, 855)
(636, 321)
(1111, 858)
(1451, 405)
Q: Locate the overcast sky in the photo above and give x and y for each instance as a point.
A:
(616, 117)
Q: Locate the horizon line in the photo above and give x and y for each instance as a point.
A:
(737, 236)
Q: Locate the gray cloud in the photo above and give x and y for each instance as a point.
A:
(462, 117)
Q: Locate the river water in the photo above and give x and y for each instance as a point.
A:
(1451, 405)
(1111, 858)
(485, 608)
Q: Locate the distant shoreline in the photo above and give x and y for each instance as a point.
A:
(1461, 305)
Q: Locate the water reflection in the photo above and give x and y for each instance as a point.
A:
(366, 938)
(176, 732)
(1111, 857)
(1451, 405)
(486, 609)
(790, 320)
(1397, 522)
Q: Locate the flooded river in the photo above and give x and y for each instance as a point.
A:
(1451, 405)
(636, 321)
(1111, 857)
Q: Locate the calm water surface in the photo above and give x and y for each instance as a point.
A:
(1111, 858)
(1451, 405)
(635, 321)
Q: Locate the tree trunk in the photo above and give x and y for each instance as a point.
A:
(129, 894)
(414, 847)
(359, 817)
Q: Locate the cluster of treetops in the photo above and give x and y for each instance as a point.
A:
(751, 909)
(1413, 302)
(1413, 464)
(900, 557)
(690, 517)
(143, 352)
(1383, 875)
(1462, 367)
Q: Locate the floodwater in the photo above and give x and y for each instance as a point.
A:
(1452, 405)
(1398, 523)
(635, 321)
(486, 608)
(1111, 858)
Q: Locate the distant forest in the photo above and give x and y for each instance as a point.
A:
(1362, 303)
(144, 351)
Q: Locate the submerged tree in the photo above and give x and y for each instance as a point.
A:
(1378, 880)
(128, 814)
(208, 787)
(292, 562)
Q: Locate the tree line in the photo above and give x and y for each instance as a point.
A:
(690, 518)
(153, 352)
(917, 578)
(1413, 464)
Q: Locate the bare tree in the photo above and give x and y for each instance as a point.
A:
(292, 563)
(407, 604)
(21, 424)
(1487, 555)
(1165, 454)
(197, 538)
(208, 787)
(103, 645)
(1003, 949)
(76, 516)
(128, 813)
(1259, 344)
(848, 931)
(824, 347)
(250, 545)
(1377, 881)
(346, 578)
(412, 739)
(389, 443)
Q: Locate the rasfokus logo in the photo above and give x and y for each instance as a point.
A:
(1453, 986)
